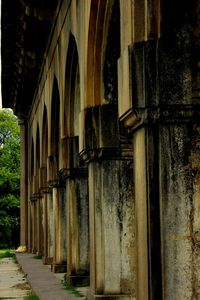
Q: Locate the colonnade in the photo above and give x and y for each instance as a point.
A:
(110, 152)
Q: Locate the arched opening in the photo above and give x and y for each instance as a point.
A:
(103, 52)
(44, 138)
(111, 56)
(38, 200)
(32, 167)
(77, 181)
(110, 164)
(44, 189)
(37, 157)
(31, 174)
(72, 91)
(55, 131)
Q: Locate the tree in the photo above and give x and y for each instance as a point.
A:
(9, 179)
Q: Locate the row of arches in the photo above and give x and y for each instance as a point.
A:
(76, 159)
(111, 124)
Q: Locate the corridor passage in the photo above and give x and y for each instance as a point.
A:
(13, 282)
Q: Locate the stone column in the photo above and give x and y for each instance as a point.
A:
(33, 225)
(77, 229)
(23, 185)
(40, 232)
(37, 215)
(50, 230)
(45, 226)
(164, 123)
(74, 174)
(29, 227)
(59, 228)
(111, 205)
(44, 190)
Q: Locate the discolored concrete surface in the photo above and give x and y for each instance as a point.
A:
(43, 282)
(13, 282)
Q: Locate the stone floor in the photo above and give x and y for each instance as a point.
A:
(43, 282)
(13, 282)
(19, 278)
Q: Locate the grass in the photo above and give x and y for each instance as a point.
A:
(37, 257)
(7, 253)
(32, 297)
(69, 287)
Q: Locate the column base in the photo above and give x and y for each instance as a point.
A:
(58, 268)
(47, 260)
(78, 280)
(91, 296)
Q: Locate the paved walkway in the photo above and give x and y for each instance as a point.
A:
(13, 283)
(43, 282)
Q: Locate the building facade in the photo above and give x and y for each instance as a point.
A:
(107, 93)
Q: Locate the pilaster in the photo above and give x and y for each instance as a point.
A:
(23, 185)
(58, 226)
(45, 224)
(75, 176)
(33, 212)
(156, 106)
(108, 152)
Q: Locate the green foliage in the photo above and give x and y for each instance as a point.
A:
(9, 179)
(37, 257)
(8, 126)
(32, 297)
(6, 253)
(69, 287)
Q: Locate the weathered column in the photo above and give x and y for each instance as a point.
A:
(33, 225)
(29, 227)
(45, 226)
(77, 230)
(44, 209)
(50, 230)
(164, 121)
(111, 205)
(57, 216)
(40, 233)
(23, 185)
(59, 228)
(37, 216)
(74, 175)
(30, 216)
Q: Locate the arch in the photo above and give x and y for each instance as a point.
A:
(37, 156)
(32, 159)
(72, 90)
(111, 54)
(55, 125)
(44, 138)
(100, 16)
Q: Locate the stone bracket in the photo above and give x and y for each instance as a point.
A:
(73, 172)
(102, 136)
(54, 183)
(106, 154)
(35, 197)
(69, 153)
(44, 190)
(172, 114)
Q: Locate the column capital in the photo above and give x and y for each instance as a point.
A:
(169, 114)
(102, 136)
